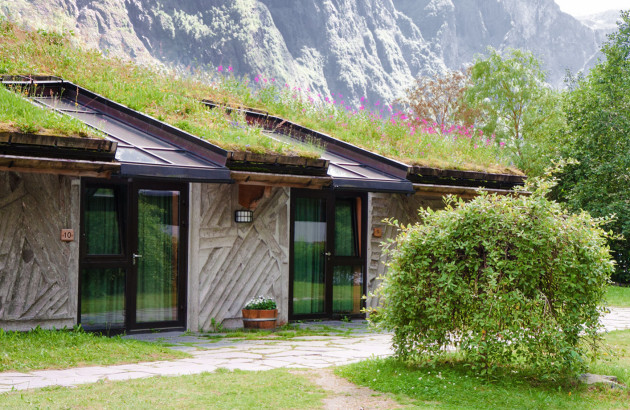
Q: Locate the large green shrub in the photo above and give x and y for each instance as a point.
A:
(510, 280)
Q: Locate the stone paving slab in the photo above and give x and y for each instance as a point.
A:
(300, 353)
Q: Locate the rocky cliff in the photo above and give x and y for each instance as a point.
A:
(370, 48)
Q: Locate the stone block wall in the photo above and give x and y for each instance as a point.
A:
(383, 206)
(38, 272)
(230, 263)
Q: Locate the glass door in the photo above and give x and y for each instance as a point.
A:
(327, 254)
(103, 273)
(158, 258)
(133, 255)
(309, 256)
(346, 260)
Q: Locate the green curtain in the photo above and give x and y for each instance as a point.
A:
(102, 298)
(309, 245)
(345, 228)
(158, 237)
(102, 222)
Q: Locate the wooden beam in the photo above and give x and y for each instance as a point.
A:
(58, 166)
(463, 192)
(45, 140)
(292, 181)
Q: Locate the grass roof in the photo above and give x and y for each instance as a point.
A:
(175, 100)
(21, 116)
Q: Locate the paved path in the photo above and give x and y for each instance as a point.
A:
(304, 352)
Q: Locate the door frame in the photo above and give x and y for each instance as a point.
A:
(330, 261)
(128, 218)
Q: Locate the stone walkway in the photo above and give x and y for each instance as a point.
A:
(310, 352)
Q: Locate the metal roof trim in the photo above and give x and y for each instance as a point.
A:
(189, 174)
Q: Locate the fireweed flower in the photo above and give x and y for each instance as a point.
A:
(220, 68)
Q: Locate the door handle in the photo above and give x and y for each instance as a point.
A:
(135, 256)
(328, 253)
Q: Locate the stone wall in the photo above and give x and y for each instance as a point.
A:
(38, 272)
(231, 263)
(381, 206)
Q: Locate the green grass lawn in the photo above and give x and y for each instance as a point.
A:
(453, 385)
(618, 296)
(219, 390)
(46, 349)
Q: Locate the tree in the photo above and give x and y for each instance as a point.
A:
(511, 280)
(439, 99)
(515, 103)
(598, 115)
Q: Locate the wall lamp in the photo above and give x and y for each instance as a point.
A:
(243, 216)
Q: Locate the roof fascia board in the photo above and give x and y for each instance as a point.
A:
(399, 187)
(58, 166)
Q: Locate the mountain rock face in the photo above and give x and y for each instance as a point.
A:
(371, 48)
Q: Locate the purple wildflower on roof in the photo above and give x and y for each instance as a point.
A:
(220, 68)
(230, 69)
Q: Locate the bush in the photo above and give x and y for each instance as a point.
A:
(510, 280)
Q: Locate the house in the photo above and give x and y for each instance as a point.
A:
(154, 228)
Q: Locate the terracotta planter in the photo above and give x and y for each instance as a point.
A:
(259, 319)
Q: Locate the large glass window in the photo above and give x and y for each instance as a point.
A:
(102, 221)
(158, 245)
(346, 238)
(309, 247)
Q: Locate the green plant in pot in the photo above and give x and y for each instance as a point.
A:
(260, 312)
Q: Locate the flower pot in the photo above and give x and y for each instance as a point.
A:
(259, 319)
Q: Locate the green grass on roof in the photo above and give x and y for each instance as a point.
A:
(19, 115)
(175, 100)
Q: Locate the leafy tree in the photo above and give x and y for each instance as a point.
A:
(515, 103)
(439, 99)
(510, 280)
(598, 115)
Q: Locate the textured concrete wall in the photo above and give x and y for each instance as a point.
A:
(381, 206)
(231, 263)
(38, 272)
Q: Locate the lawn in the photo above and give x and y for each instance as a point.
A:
(219, 390)
(46, 349)
(618, 296)
(453, 385)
